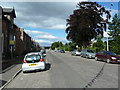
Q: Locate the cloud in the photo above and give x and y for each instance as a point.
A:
(44, 38)
(42, 0)
(105, 34)
(42, 14)
(35, 32)
(62, 27)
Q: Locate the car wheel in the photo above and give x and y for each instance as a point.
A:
(86, 57)
(24, 71)
(108, 61)
(96, 58)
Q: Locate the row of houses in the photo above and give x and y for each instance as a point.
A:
(15, 42)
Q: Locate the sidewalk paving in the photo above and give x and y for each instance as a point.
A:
(8, 74)
(9, 69)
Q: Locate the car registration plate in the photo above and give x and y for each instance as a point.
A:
(32, 64)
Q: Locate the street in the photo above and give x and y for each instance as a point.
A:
(66, 71)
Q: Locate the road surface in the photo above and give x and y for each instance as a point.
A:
(66, 71)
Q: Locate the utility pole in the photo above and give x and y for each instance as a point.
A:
(1, 49)
(107, 30)
(107, 43)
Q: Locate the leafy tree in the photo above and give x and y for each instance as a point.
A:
(55, 45)
(99, 45)
(70, 46)
(58, 45)
(114, 28)
(86, 23)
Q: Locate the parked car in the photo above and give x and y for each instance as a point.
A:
(62, 51)
(56, 50)
(43, 51)
(107, 56)
(76, 52)
(33, 61)
(88, 53)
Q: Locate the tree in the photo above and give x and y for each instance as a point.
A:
(99, 45)
(70, 46)
(57, 45)
(114, 28)
(86, 23)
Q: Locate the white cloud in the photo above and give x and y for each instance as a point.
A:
(44, 38)
(63, 27)
(42, 0)
(35, 32)
(105, 34)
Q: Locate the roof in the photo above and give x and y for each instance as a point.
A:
(8, 11)
(35, 53)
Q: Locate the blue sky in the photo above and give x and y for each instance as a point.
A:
(46, 22)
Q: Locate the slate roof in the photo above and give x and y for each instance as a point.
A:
(8, 11)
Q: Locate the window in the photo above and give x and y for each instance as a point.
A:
(110, 53)
(32, 57)
(90, 51)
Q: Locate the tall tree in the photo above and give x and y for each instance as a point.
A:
(114, 28)
(86, 22)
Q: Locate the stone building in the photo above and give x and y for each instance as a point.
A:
(15, 42)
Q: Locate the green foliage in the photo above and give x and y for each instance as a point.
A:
(114, 28)
(70, 46)
(56, 45)
(99, 45)
(86, 23)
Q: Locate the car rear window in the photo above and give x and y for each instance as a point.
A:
(111, 53)
(79, 50)
(90, 51)
(32, 57)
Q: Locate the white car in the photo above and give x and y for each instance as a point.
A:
(76, 52)
(33, 61)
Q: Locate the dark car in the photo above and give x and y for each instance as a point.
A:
(62, 51)
(107, 56)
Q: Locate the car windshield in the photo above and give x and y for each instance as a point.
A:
(32, 57)
(111, 53)
(90, 51)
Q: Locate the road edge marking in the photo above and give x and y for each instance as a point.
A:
(11, 79)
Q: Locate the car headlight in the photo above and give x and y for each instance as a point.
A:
(113, 57)
(89, 55)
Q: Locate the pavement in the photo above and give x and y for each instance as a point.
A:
(9, 74)
(9, 70)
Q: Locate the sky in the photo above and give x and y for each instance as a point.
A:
(46, 22)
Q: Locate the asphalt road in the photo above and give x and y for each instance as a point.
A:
(66, 71)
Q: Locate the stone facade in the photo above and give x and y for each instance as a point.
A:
(15, 41)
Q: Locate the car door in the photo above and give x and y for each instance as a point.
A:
(100, 55)
(104, 56)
